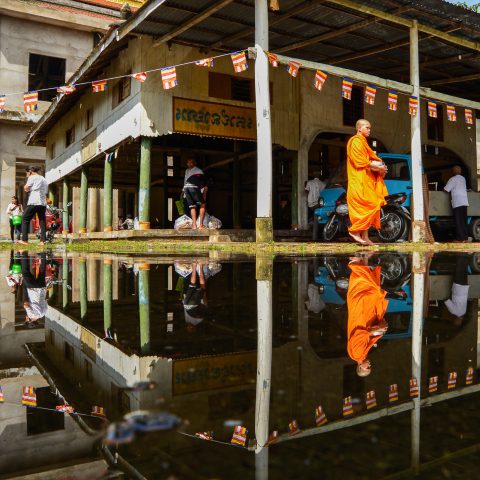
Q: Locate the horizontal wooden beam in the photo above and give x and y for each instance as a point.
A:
(446, 81)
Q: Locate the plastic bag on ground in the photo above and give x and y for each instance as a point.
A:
(214, 223)
(206, 219)
(183, 222)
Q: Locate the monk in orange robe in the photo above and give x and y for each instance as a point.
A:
(366, 311)
(366, 189)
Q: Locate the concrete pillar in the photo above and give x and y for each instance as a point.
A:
(264, 223)
(144, 306)
(83, 200)
(64, 205)
(107, 295)
(82, 265)
(236, 185)
(108, 193)
(295, 195)
(145, 180)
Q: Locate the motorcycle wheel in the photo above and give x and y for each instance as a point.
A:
(394, 227)
(330, 229)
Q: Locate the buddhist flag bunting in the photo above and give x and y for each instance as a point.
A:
(98, 411)
(169, 77)
(293, 68)
(206, 62)
(392, 101)
(64, 408)
(451, 114)
(205, 435)
(432, 384)
(320, 78)
(347, 406)
(320, 417)
(2, 398)
(273, 59)
(469, 376)
(371, 400)
(273, 437)
(29, 397)
(370, 93)
(239, 436)
(414, 390)
(30, 101)
(393, 393)
(469, 116)
(66, 89)
(413, 106)
(452, 380)
(239, 61)
(99, 86)
(347, 86)
(141, 76)
(432, 109)
(2, 103)
(293, 428)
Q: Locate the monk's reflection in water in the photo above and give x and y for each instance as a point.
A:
(366, 312)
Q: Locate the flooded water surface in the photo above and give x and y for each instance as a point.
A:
(361, 367)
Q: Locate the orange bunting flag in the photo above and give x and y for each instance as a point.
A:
(239, 61)
(30, 102)
(293, 68)
(2, 397)
(469, 376)
(451, 114)
(392, 100)
(273, 437)
(432, 109)
(319, 80)
(206, 62)
(469, 116)
(432, 384)
(347, 86)
(414, 390)
(169, 77)
(98, 411)
(393, 393)
(347, 406)
(273, 59)
(141, 76)
(239, 436)
(64, 408)
(452, 380)
(66, 89)
(99, 86)
(205, 435)
(370, 93)
(293, 428)
(413, 106)
(371, 400)
(29, 397)
(2, 103)
(320, 417)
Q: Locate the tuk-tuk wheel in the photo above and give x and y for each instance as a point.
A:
(474, 228)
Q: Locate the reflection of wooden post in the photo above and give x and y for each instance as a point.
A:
(82, 265)
(65, 282)
(144, 306)
(107, 294)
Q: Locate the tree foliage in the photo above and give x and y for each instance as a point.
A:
(474, 7)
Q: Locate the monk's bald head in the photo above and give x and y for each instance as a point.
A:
(363, 127)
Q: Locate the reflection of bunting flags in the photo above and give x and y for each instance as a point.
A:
(432, 109)
(30, 101)
(239, 436)
(141, 76)
(469, 376)
(239, 61)
(370, 93)
(2, 398)
(273, 437)
(205, 435)
(432, 384)
(371, 400)
(452, 380)
(206, 62)
(99, 86)
(451, 115)
(64, 408)
(414, 390)
(347, 86)
(66, 89)
(320, 78)
(347, 406)
(392, 100)
(469, 116)
(169, 77)
(273, 59)
(2, 103)
(29, 397)
(293, 427)
(320, 417)
(393, 393)
(98, 411)
(293, 68)
(413, 106)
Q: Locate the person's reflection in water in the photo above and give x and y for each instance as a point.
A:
(14, 278)
(457, 304)
(366, 311)
(36, 290)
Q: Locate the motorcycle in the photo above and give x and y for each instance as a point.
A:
(53, 222)
(394, 219)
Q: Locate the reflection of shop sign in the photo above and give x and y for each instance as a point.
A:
(216, 119)
(203, 374)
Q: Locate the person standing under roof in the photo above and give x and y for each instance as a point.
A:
(457, 187)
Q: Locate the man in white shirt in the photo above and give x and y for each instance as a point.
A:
(457, 187)
(314, 187)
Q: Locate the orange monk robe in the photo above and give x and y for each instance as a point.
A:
(366, 189)
(366, 309)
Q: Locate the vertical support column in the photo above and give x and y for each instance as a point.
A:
(145, 180)
(144, 306)
(418, 223)
(108, 193)
(83, 200)
(65, 195)
(51, 194)
(264, 223)
(107, 296)
(475, 175)
(82, 266)
(65, 282)
(236, 184)
(295, 196)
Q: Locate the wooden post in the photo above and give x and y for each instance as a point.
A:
(145, 180)
(264, 224)
(51, 194)
(64, 206)
(83, 200)
(108, 193)
(236, 185)
(418, 220)
(144, 306)
(295, 196)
